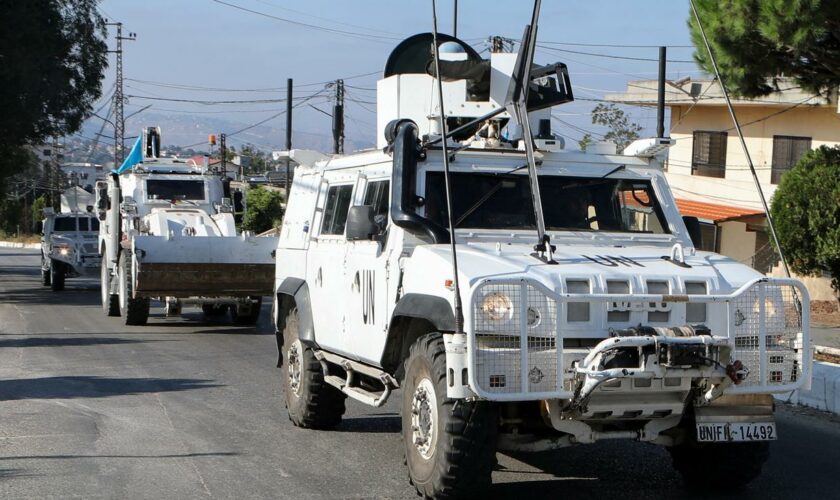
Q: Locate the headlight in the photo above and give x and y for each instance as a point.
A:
(63, 250)
(497, 306)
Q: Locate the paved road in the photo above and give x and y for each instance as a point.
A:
(183, 408)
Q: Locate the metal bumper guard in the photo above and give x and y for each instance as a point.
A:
(659, 357)
(764, 324)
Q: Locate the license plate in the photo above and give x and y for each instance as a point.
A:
(735, 432)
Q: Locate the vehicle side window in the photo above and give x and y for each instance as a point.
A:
(335, 211)
(377, 197)
(94, 224)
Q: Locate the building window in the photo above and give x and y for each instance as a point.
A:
(335, 212)
(787, 151)
(708, 156)
(764, 257)
(708, 233)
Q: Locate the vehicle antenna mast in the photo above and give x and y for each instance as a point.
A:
(518, 100)
(459, 311)
(741, 138)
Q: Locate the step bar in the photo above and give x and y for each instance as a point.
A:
(349, 385)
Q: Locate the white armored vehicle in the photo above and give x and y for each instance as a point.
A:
(579, 308)
(168, 232)
(68, 246)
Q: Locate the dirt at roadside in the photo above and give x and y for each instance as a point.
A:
(825, 312)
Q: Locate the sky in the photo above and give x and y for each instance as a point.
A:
(186, 47)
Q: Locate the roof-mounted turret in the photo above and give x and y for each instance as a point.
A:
(472, 87)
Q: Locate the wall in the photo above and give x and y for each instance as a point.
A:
(737, 242)
(759, 124)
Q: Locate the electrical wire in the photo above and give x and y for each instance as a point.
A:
(352, 34)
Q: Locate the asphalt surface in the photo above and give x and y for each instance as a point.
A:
(185, 408)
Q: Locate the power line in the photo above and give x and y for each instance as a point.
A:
(611, 56)
(619, 46)
(353, 34)
(261, 122)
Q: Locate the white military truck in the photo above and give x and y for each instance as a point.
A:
(168, 232)
(68, 246)
(589, 312)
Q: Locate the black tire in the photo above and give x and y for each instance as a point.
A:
(110, 301)
(213, 310)
(45, 272)
(135, 311)
(459, 452)
(251, 317)
(719, 466)
(56, 277)
(311, 402)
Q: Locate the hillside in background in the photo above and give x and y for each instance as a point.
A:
(186, 130)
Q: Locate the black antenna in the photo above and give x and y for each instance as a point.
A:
(459, 312)
(518, 100)
(741, 138)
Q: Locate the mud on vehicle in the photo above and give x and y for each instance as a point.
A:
(611, 325)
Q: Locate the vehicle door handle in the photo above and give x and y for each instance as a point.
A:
(319, 278)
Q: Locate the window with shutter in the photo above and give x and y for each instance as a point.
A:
(708, 156)
(787, 151)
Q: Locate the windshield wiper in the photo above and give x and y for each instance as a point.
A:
(616, 169)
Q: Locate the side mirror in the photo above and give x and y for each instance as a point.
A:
(39, 227)
(693, 226)
(360, 223)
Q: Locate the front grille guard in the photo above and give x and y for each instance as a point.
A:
(766, 326)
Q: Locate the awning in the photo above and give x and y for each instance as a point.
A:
(714, 213)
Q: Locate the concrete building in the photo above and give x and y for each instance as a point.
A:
(707, 168)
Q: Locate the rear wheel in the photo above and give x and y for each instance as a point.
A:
(719, 466)
(241, 316)
(110, 301)
(56, 277)
(45, 271)
(450, 445)
(134, 310)
(311, 402)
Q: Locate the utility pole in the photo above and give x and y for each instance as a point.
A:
(338, 118)
(223, 153)
(455, 20)
(500, 44)
(288, 134)
(119, 100)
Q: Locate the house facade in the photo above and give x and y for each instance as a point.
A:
(709, 172)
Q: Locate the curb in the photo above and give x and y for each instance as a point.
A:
(825, 384)
(13, 244)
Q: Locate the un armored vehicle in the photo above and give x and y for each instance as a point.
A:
(168, 232)
(522, 297)
(68, 246)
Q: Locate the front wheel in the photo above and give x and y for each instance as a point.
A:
(56, 277)
(110, 301)
(134, 310)
(450, 445)
(719, 466)
(45, 271)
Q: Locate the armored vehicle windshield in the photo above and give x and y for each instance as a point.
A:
(173, 189)
(503, 201)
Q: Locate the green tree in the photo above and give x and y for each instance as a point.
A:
(621, 130)
(757, 41)
(52, 59)
(806, 210)
(263, 210)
